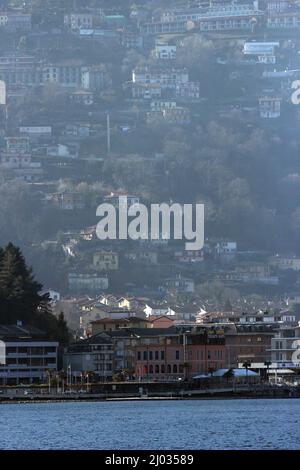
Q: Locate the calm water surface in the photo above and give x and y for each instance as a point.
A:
(207, 424)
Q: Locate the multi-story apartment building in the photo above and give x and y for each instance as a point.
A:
(165, 51)
(285, 348)
(146, 91)
(36, 132)
(28, 355)
(110, 324)
(163, 27)
(75, 21)
(277, 5)
(188, 91)
(167, 79)
(18, 69)
(217, 17)
(13, 21)
(261, 52)
(87, 282)
(270, 107)
(284, 20)
(285, 262)
(94, 354)
(151, 353)
(106, 261)
(244, 318)
(95, 78)
(170, 354)
(21, 166)
(67, 73)
(179, 284)
(131, 40)
(17, 145)
(248, 343)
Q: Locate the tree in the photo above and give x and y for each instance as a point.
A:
(19, 291)
(21, 297)
(64, 334)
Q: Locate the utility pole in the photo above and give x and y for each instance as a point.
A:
(108, 133)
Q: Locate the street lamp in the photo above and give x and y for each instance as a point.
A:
(49, 381)
(184, 341)
(267, 364)
(87, 382)
(69, 376)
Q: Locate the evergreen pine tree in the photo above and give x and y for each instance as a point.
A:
(20, 296)
(63, 332)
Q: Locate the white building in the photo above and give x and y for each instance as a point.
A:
(270, 107)
(87, 282)
(146, 91)
(36, 131)
(15, 21)
(284, 20)
(167, 79)
(218, 17)
(179, 284)
(262, 52)
(277, 5)
(76, 21)
(68, 74)
(188, 91)
(156, 310)
(165, 51)
(28, 355)
(21, 166)
(285, 348)
(159, 105)
(95, 78)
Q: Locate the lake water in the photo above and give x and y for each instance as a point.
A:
(136, 425)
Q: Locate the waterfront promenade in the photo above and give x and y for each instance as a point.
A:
(146, 391)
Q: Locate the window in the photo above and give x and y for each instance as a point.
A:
(162, 369)
(169, 370)
(175, 369)
(139, 355)
(177, 355)
(157, 369)
(156, 355)
(150, 355)
(162, 355)
(145, 355)
(151, 369)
